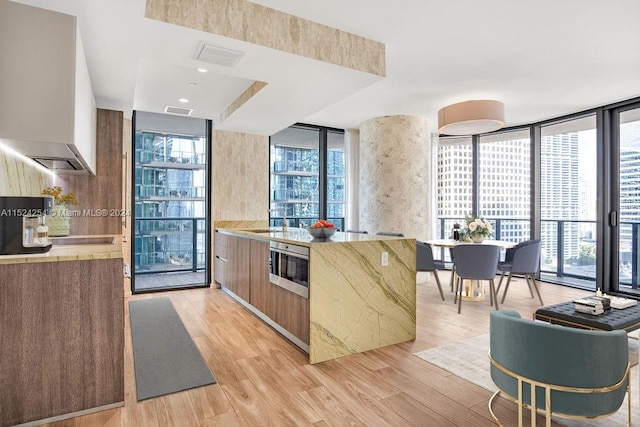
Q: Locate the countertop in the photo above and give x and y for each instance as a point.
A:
(69, 253)
(300, 236)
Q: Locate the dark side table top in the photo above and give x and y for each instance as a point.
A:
(627, 319)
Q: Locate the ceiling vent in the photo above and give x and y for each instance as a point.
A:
(180, 111)
(217, 55)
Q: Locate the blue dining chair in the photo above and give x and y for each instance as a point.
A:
(425, 262)
(522, 259)
(476, 262)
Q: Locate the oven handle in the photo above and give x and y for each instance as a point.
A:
(291, 250)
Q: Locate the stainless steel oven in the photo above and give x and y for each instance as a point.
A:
(290, 267)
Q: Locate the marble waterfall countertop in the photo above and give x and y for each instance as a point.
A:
(301, 236)
(66, 252)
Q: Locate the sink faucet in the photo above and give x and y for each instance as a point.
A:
(285, 221)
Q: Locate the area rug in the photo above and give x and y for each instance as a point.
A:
(166, 360)
(469, 360)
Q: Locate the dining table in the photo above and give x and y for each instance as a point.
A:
(471, 290)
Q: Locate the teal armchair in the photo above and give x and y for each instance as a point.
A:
(582, 374)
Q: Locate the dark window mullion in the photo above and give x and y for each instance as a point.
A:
(475, 175)
(322, 173)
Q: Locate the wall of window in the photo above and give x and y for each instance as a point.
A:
(573, 182)
(307, 183)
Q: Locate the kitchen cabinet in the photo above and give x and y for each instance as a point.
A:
(247, 276)
(290, 311)
(220, 260)
(62, 338)
(47, 108)
(261, 296)
(238, 266)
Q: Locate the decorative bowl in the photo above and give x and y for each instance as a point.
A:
(321, 233)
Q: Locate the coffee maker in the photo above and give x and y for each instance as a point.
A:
(23, 224)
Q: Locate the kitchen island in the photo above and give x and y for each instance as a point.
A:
(61, 332)
(354, 304)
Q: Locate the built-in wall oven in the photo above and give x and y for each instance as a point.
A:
(290, 267)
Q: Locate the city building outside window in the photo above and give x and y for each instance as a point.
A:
(297, 173)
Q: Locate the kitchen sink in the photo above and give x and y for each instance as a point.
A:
(83, 240)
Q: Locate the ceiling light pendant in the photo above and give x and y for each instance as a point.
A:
(471, 117)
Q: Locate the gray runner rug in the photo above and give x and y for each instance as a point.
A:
(165, 357)
(469, 360)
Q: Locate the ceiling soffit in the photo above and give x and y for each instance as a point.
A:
(263, 26)
(344, 62)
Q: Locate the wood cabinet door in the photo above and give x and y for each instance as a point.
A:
(238, 272)
(220, 258)
(291, 311)
(261, 297)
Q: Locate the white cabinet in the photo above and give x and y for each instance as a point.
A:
(47, 106)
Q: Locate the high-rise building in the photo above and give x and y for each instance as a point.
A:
(454, 182)
(295, 176)
(169, 196)
(560, 198)
(504, 184)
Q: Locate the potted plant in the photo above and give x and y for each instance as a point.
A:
(477, 228)
(58, 220)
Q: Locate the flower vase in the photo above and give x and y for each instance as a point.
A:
(477, 238)
(58, 221)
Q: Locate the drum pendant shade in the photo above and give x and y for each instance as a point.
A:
(471, 117)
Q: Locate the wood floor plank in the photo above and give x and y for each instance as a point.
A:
(328, 406)
(140, 414)
(449, 406)
(175, 409)
(229, 419)
(209, 401)
(223, 366)
(362, 405)
(414, 412)
(248, 403)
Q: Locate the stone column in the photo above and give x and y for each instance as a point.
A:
(396, 181)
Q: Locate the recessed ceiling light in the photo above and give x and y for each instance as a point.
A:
(202, 70)
(193, 84)
(183, 100)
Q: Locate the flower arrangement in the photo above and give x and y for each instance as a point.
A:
(477, 227)
(60, 198)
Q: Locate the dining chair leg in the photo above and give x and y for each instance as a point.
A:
(455, 294)
(459, 296)
(535, 286)
(492, 290)
(500, 282)
(453, 275)
(506, 288)
(435, 274)
(526, 279)
(490, 297)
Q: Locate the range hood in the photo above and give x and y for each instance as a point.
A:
(47, 108)
(59, 157)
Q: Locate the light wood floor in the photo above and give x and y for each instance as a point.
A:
(264, 380)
